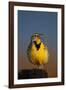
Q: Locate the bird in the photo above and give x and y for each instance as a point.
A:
(37, 51)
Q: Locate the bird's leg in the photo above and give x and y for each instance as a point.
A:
(41, 67)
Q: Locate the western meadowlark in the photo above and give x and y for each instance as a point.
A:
(37, 51)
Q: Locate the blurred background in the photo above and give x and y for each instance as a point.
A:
(30, 22)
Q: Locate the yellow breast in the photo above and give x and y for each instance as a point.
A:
(40, 56)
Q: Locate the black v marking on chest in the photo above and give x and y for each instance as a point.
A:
(37, 45)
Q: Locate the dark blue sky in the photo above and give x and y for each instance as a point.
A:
(30, 22)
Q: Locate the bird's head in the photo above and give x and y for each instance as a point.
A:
(36, 38)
